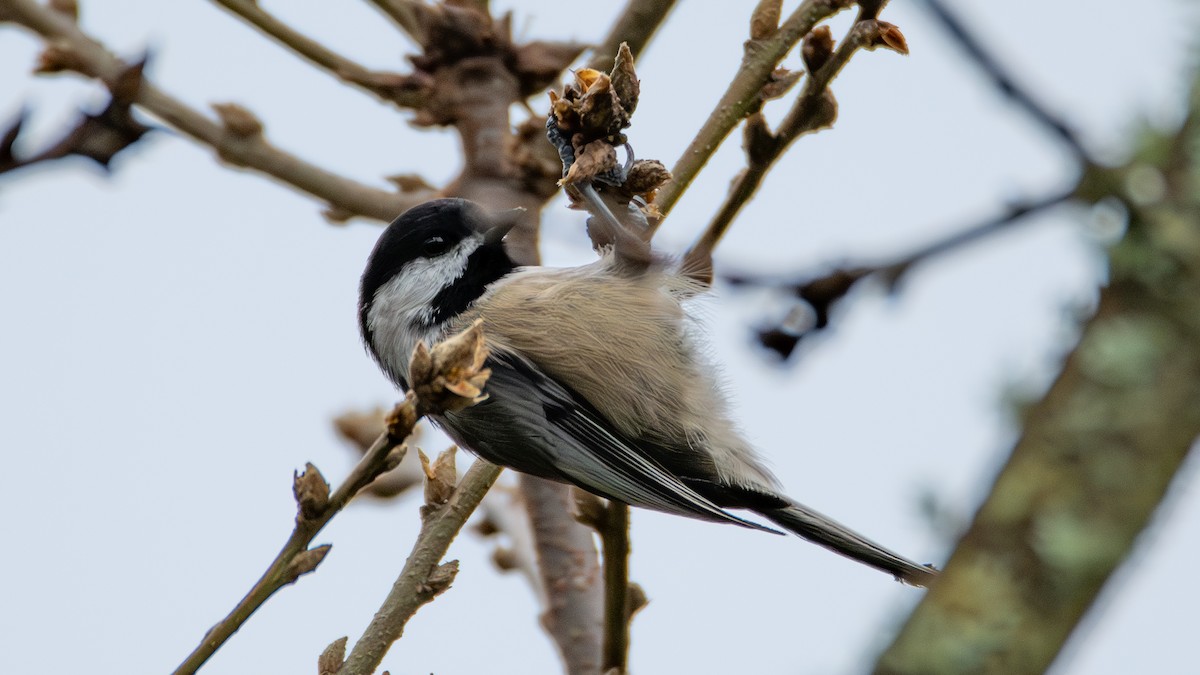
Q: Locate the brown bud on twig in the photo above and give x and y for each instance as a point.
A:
(441, 476)
(337, 215)
(758, 140)
(765, 19)
(237, 120)
(451, 376)
(781, 82)
(59, 57)
(68, 8)
(635, 599)
(410, 182)
(305, 562)
(645, 177)
(441, 577)
(311, 492)
(817, 48)
(888, 36)
(597, 106)
(330, 661)
(589, 509)
(400, 421)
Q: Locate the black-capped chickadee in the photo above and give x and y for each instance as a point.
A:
(595, 377)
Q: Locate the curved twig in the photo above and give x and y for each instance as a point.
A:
(422, 578)
(456, 360)
(814, 109)
(742, 97)
(249, 150)
(386, 86)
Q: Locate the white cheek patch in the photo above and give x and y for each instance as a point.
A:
(401, 313)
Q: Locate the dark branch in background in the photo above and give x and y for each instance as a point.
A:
(98, 137)
(238, 142)
(455, 365)
(821, 294)
(1003, 79)
(1099, 451)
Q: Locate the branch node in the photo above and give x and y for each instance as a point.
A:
(311, 492)
(304, 563)
(238, 120)
(331, 660)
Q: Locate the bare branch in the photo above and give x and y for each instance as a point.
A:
(422, 578)
(1098, 452)
(454, 365)
(742, 97)
(822, 293)
(395, 88)
(814, 109)
(570, 570)
(98, 137)
(635, 26)
(617, 607)
(1004, 81)
(89, 57)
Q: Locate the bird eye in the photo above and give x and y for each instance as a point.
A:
(434, 246)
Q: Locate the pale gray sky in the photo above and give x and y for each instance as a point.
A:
(177, 337)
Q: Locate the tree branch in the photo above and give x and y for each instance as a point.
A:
(635, 26)
(814, 109)
(570, 570)
(422, 578)
(405, 14)
(389, 87)
(742, 97)
(238, 145)
(1098, 452)
(618, 609)
(823, 293)
(455, 360)
(1004, 81)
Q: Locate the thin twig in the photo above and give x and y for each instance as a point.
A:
(824, 292)
(459, 361)
(385, 86)
(281, 572)
(246, 150)
(614, 536)
(1004, 81)
(422, 578)
(405, 14)
(814, 109)
(635, 26)
(742, 97)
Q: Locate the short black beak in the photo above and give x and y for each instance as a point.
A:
(501, 224)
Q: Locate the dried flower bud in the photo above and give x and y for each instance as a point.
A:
(817, 48)
(311, 492)
(238, 120)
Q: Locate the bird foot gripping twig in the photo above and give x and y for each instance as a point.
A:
(586, 125)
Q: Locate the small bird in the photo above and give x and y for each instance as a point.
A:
(596, 378)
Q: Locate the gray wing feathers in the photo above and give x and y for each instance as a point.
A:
(559, 436)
